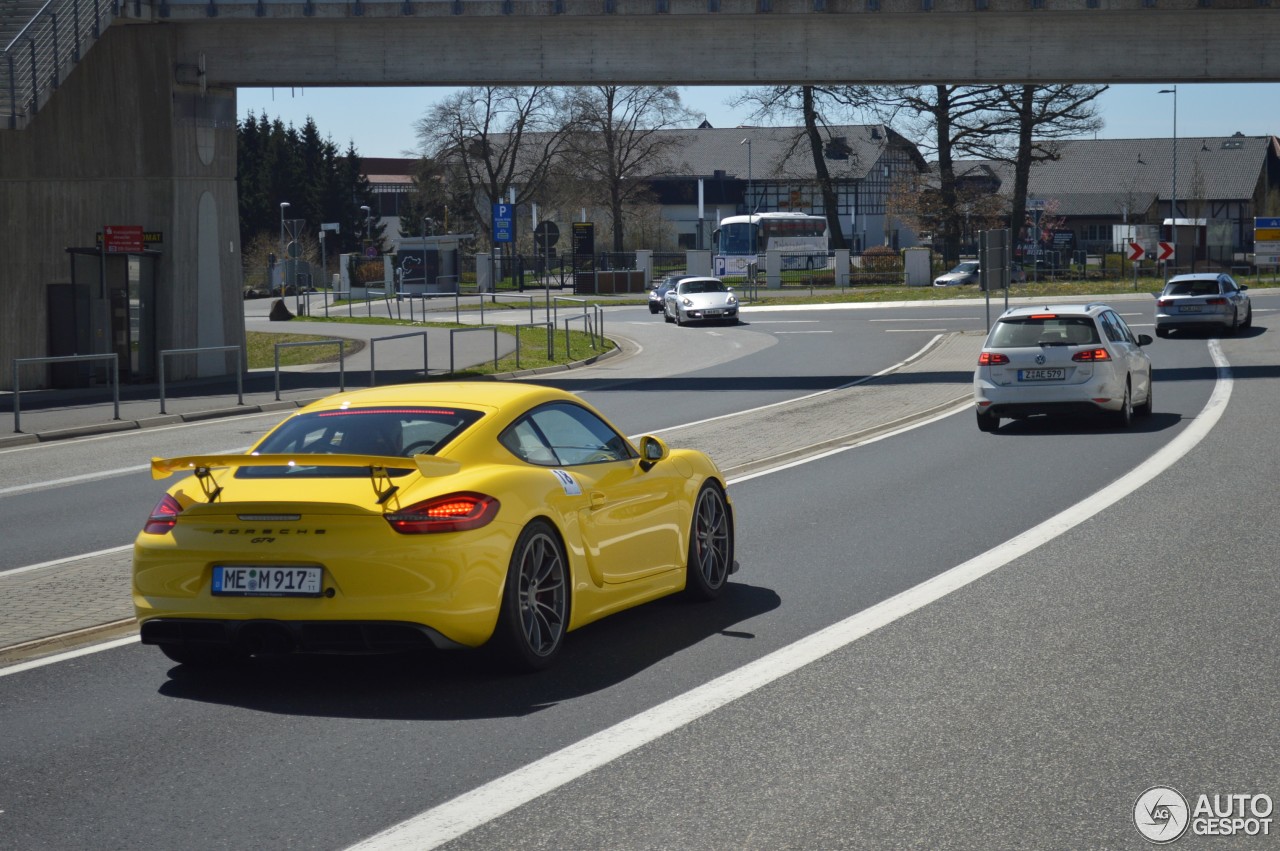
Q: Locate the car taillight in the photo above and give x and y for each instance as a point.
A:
(456, 512)
(992, 359)
(1092, 355)
(1218, 301)
(164, 516)
(1164, 302)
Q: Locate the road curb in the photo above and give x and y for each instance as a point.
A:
(61, 643)
(846, 440)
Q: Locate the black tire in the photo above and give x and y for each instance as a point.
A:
(1123, 418)
(666, 317)
(1248, 319)
(1147, 407)
(679, 321)
(710, 544)
(987, 421)
(535, 601)
(1233, 328)
(204, 655)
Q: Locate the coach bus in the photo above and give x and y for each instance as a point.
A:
(740, 240)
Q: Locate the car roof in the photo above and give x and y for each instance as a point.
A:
(1196, 276)
(1069, 309)
(464, 394)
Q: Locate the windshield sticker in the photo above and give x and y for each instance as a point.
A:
(570, 485)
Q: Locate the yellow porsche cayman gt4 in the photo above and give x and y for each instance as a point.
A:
(431, 515)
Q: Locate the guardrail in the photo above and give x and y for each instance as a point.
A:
(373, 363)
(342, 365)
(114, 372)
(593, 327)
(586, 321)
(239, 369)
(551, 338)
(493, 328)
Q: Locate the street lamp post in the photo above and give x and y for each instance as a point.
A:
(750, 193)
(364, 209)
(1173, 193)
(284, 205)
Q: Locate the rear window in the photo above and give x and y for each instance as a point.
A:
(1192, 288)
(404, 431)
(1048, 330)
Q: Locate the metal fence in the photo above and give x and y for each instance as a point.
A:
(35, 62)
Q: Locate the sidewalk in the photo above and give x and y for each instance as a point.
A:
(72, 603)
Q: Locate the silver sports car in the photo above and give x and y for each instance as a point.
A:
(700, 298)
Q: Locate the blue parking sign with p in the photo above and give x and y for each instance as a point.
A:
(504, 223)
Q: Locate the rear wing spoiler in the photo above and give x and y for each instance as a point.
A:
(427, 465)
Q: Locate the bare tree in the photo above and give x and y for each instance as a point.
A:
(813, 105)
(1041, 116)
(494, 139)
(947, 121)
(618, 143)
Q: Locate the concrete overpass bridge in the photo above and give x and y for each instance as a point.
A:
(124, 112)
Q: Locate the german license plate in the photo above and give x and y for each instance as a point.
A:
(1042, 374)
(1188, 308)
(248, 580)
(715, 311)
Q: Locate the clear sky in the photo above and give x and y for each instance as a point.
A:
(380, 120)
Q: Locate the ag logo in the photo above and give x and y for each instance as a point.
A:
(1161, 814)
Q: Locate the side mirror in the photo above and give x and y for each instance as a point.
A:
(1144, 339)
(1244, 286)
(652, 450)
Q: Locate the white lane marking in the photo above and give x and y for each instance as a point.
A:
(914, 330)
(139, 432)
(785, 321)
(57, 561)
(90, 477)
(71, 480)
(70, 654)
(780, 333)
(456, 817)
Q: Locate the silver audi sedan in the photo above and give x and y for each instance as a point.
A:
(1210, 300)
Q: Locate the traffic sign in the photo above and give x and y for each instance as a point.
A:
(1166, 251)
(122, 239)
(504, 225)
(1266, 222)
(546, 234)
(1136, 251)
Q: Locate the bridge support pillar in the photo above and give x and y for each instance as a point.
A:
(124, 143)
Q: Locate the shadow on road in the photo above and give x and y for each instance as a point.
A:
(468, 684)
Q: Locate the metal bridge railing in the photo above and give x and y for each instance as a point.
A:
(34, 63)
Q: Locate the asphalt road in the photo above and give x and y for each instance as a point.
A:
(1027, 709)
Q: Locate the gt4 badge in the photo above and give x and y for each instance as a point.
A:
(570, 485)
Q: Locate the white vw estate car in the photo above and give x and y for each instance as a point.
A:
(1063, 358)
